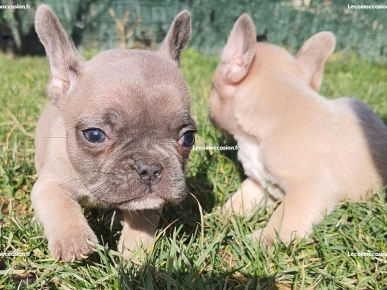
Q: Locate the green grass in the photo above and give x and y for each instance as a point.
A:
(197, 247)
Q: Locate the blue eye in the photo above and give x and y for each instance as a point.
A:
(188, 139)
(94, 135)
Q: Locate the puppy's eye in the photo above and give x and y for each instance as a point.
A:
(94, 135)
(188, 139)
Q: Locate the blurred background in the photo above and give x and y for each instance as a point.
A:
(104, 24)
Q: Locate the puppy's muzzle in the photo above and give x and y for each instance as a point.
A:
(150, 173)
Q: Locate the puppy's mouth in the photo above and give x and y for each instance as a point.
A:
(150, 196)
(138, 183)
(148, 200)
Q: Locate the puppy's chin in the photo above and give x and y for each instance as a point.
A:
(152, 200)
(148, 201)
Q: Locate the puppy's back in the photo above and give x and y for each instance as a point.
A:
(366, 134)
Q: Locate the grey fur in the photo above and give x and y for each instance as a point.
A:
(140, 101)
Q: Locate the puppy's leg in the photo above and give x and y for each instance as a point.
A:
(302, 207)
(139, 229)
(64, 224)
(243, 201)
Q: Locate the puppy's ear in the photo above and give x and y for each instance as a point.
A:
(64, 60)
(313, 55)
(177, 37)
(239, 52)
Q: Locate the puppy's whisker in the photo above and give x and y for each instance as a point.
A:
(100, 195)
(111, 173)
(79, 185)
(53, 137)
(199, 171)
(151, 222)
(95, 186)
(67, 182)
(51, 124)
(163, 151)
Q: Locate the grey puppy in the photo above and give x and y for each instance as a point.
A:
(117, 132)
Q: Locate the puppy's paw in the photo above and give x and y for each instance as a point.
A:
(268, 236)
(132, 246)
(232, 207)
(261, 237)
(71, 244)
(246, 199)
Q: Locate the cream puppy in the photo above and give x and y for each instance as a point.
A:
(307, 151)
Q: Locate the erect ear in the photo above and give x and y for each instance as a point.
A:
(177, 37)
(239, 52)
(313, 55)
(64, 61)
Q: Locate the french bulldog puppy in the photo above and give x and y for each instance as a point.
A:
(308, 151)
(117, 132)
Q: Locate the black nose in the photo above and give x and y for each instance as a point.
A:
(149, 173)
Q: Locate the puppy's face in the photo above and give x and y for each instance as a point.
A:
(127, 117)
(247, 69)
(130, 130)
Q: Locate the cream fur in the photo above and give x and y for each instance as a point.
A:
(310, 152)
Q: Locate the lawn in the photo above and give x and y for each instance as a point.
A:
(197, 247)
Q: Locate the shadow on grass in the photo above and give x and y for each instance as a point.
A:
(190, 279)
(187, 214)
(170, 267)
(232, 155)
(200, 191)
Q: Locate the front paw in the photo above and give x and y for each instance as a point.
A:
(71, 243)
(129, 246)
(262, 237)
(246, 199)
(268, 236)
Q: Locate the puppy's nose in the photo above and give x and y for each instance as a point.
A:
(149, 173)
